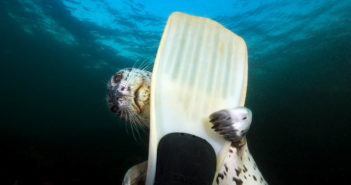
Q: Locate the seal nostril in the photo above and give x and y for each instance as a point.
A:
(113, 108)
(119, 96)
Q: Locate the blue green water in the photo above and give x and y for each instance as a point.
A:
(56, 57)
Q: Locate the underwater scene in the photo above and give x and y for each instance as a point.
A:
(57, 57)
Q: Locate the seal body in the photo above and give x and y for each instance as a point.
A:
(129, 98)
(239, 167)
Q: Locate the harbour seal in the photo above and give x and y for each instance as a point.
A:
(128, 96)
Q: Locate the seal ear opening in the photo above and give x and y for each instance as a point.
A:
(184, 159)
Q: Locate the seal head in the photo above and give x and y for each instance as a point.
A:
(128, 95)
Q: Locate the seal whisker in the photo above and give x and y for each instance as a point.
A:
(146, 68)
(135, 128)
(132, 129)
(137, 131)
(144, 63)
(129, 78)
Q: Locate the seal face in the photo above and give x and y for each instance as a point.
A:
(128, 94)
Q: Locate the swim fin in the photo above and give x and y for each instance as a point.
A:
(200, 68)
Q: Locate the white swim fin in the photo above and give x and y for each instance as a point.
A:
(200, 67)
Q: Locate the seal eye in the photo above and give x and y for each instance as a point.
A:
(117, 78)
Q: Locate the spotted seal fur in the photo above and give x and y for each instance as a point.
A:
(128, 96)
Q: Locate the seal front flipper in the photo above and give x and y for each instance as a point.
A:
(200, 67)
(232, 124)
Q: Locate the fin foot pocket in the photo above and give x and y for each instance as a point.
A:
(184, 159)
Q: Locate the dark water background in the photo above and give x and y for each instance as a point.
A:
(55, 125)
